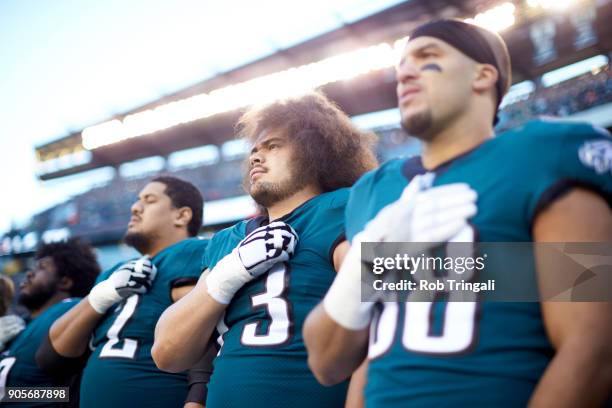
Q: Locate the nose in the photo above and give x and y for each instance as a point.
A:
(406, 71)
(136, 207)
(256, 158)
(29, 274)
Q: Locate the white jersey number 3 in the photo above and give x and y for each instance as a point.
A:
(277, 307)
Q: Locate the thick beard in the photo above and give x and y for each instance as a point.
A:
(419, 125)
(268, 194)
(36, 300)
(138, 241)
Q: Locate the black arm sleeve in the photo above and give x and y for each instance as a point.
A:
(199, 375)
(65, 371)
(180, 282)
(56, 365)
(340, 239)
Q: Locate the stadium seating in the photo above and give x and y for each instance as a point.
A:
(563, 99)
(104, 211)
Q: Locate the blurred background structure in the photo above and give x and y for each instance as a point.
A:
(561, 68)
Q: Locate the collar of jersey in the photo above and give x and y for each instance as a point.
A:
(413, 166)
(264, 220)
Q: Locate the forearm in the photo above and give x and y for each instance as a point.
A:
(198, 376)
(334, 352)
(580, 374)
(70, 333)
(183, 330)
(56, 365)
(355, 395)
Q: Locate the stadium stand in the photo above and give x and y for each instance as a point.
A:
(102, 212)
(106, 209)
(560, 100)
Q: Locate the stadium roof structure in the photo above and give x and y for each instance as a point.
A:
(369, 89)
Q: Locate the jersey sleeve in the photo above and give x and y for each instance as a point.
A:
(356, 214)
(581, 157)
(208, 259)
(191, 258)
(586, 159)
(334, 221)
(204, 261)
(62, 307)
(209, 254)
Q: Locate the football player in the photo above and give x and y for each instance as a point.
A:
(120, 312)
(544, 181)
(63, 273)
(265, 274)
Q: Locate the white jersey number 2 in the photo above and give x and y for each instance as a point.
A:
(129, 346)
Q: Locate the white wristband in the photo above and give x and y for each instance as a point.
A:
(103, 296)
(343, 300)
(226, 278)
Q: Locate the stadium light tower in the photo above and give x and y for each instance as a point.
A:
(498, 18)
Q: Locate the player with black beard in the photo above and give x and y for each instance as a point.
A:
(119, 313)
(63, 272)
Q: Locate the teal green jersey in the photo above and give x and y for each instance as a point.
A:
(120, 371)
(516, 175)
(18, 363)
(263, 360)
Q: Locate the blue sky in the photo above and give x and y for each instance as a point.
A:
(66, 64)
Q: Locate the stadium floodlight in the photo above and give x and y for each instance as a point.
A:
(291, 82)
(592, 64)
(557, 5)
(111, 132)
(497, 19)
(65, 160)
(398, 47)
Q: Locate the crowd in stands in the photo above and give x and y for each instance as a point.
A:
(107, 208)
(563, 99)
